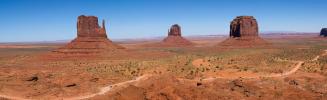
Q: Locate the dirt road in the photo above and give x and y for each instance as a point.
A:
(5, 97)
(109, 88)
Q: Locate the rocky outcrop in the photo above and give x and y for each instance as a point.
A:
(175, 30)
(175, 38)
(91, 39)
(87, 26)
(244, 27)
(244, 31)
(323, 32)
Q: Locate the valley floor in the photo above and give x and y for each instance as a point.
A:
(290, 67)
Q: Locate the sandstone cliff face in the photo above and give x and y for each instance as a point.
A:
(175, 38)
(244, 27)
(175, 30)
(323, 32)
(87, 26)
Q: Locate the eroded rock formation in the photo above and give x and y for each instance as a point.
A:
(175, 30)
(87, 26)
(175, 37)
(244, 31)
(91, 38)
(244, 27)
(323, 32)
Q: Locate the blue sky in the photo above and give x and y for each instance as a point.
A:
(45, 20)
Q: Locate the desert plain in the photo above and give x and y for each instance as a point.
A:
(291, 66)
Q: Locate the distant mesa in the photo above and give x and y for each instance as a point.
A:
(175, 30)
(91, 38)
(244, 27)
(175, 38)
(323, 32)
(244, 31)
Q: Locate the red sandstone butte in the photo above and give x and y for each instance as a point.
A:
(175, 37)
(87, 26)
(91, 38)
(244, 27)
(244, 31)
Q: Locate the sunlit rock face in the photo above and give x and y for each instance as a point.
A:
(244, 32)
(244, 27)
(87, 26)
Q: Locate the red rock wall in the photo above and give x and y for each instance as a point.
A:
(87, 26)
(175, 30)
(244, 26)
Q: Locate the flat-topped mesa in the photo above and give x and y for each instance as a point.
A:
(244, 27)
(323, 32)
(87, 26)
(244, 32)
(175, 30)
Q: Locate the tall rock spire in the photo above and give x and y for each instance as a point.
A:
(102, 30)
(103, 25)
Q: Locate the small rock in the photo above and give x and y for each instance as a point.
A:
(198, 84)
(33, 78)
(71, 85)
(293, 82)
(94, 80)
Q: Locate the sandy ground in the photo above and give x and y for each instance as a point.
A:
(293, 67)
(138, 80)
